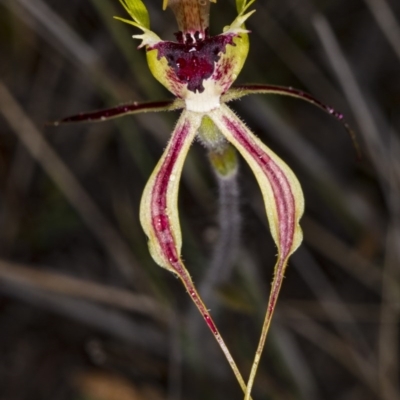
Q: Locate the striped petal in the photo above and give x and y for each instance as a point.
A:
(159, 208)
(283, 198)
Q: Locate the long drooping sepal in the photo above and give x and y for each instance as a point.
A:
(160, 220)
(239, 91)
(284, 204)
(122, 110)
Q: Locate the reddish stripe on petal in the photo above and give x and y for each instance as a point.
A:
(161, 224)
(283, 195)
(160, 220)
(159, 210)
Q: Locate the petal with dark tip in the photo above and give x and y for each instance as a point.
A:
(121, 111)
(239, 91)
(283, 199)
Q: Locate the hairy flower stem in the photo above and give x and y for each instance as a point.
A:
(223, 160)
(225, 248)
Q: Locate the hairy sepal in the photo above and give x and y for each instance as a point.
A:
(159, 209)
(283, 199)
(280, 188)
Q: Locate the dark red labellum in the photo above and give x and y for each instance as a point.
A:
(193, 58)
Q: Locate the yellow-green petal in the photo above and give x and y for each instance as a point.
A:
(283, 199)
(159, 209)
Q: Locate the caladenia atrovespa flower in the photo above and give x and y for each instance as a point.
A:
(199, 70)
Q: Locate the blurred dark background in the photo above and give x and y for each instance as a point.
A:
(84, 311)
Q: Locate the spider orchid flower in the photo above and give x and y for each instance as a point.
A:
(199, 70)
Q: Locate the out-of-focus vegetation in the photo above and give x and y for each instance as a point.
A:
(85, 312)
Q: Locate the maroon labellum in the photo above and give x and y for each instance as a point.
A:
(193, 57)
